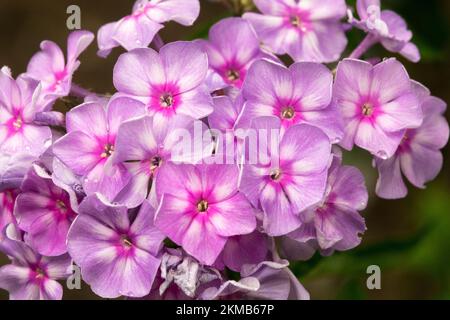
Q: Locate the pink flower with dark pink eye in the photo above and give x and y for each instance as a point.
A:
(378, 104)
(115, 249)
(385, 26)
(7, 202)
(418, 158)
(91, 141)
(52, 70)
(201, 208)
(31, 276)
(169, 83)
(335, 224)
(18, 108)
(299, 94)
(45, 212)
(145, 146)
(138, 29)
(308, 31)
(232, 48)
(293, 179)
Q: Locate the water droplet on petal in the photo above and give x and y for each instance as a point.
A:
(383, 155)
(48, 143)
(78, 188)
(335, 140)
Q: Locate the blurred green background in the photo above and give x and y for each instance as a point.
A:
(409, 239)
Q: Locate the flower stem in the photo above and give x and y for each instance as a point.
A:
(79, 92)
(362, 48)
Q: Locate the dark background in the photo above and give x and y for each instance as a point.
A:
(409, 239)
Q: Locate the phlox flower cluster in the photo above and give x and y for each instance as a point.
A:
(140, 189)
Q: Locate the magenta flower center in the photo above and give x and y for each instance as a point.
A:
(275, 175)
(367, 109)
(233, 75)
(297, 21)
(108, 151)
(287, 113)
(40, 274)
(166, 100)
(202, 206)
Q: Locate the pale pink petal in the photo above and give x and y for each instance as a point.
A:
(185, 64)
(135, 72)
(381, 144)
(421, 164)
(258, 90)
(308, 155)
(134, 32)
(353, 80)
(105, 39)
(313, 85)
(390, 184)
(44, 64)
(279, 218)
(121, 109)
(324, 43)
(137, 188)
(89, 118)
(78, 151)
(185, 12)
(77, 43)
(108, 181)
(234, 216)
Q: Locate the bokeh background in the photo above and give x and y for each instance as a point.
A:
(409, 239)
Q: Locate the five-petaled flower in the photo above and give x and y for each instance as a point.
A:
(201, 207)
(305, 30)
(378, 104)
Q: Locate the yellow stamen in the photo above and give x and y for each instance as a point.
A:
(202, 206)
(288, 113)
(18, 124)
(166, 100)
(233, 75)
(108, 151)
(367, 109)
(275, 175)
